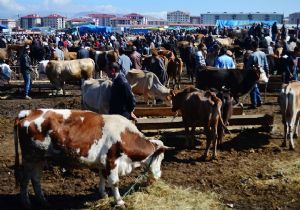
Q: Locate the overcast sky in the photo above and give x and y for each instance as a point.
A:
(159, 8)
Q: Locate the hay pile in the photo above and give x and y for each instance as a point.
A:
(159, 195)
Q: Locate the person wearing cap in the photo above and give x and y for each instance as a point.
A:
(224, 61)
(136, 59)
(83, 52)
(257, 58)
(26, 69)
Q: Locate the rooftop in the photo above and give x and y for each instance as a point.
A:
(99, 15)
(32, 16)
(54, 16)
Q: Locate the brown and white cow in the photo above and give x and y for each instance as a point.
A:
(200, 108)
(289, 100)
(58, 72)
(109, 143)
(96, 95)
(147, 84)
(174, 70)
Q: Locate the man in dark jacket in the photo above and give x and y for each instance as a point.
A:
(157, 66)
(122, 100)
(26, 69)
(82, 52)
(136, 59)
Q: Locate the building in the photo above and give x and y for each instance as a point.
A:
(137, 19)
(30, 21)
(10, 23)
(153, 21)
(54, 21)
(120, 21)
(178, 17)
(195, 20)
(211, 18)
(101, 19)
(294, 18)
(79, 21)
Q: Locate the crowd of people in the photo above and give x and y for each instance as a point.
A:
(201, 50)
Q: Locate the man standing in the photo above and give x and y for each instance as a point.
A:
(257, 58)
(124, 62)
(136, 59)
(157, 66)
(82, 52)
(26, 69)
(122, 100)
(224, 61)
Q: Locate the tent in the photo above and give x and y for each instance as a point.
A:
(3, 27)
(240, 23)
(94, 29)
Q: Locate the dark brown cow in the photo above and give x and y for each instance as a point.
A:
(200, 108)
(109, 143)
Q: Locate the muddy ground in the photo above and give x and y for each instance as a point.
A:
(252, 170)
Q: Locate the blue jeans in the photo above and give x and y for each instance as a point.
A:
(27, 82)
(255, 96)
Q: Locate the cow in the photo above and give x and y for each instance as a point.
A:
(289, 101)
(238, 81)
(147, 84)
(103, 59)
(96, 95)
(58, 72)
(200, 108)
(111, 144)
(174, 70)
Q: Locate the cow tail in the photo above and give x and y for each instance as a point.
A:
(17, 160)
(219, 106)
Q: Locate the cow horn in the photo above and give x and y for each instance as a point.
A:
(166, 148)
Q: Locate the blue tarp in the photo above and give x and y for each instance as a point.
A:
(3, 27)
(239, 23)
(139, 30)
(94, 29)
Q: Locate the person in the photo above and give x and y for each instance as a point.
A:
(83, 52)
(291, 68)
(136, 58)
(26, 69)
(256, 58)
(122, 100)
(124, 62)
(274, 31)
(59, 53)
(157, 67)
(200, 56)
(224, 61)
(2, 42)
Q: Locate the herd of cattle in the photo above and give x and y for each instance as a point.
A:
(112, 144)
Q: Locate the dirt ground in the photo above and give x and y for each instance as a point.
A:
(252, 170)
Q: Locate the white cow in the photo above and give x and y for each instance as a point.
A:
(96, 95)
(147, 84)
(289, 100)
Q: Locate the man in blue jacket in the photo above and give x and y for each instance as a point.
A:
(26, 69)
(122, 100)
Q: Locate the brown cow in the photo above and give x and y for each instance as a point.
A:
(111, 144)
(200, 108)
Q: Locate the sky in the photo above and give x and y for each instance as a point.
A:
(156, 8)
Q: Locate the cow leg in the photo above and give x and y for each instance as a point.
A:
(36, 182)
(24, 185)
(292, 146)
(285, 134)
(179, 81)
(220, 134)
(214, 140)
(102, 191)
(208, 141)
(296, 131)
(113, 181)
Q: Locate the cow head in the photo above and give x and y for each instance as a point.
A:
(154, 161)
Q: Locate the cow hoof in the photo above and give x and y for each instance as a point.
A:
(214, 158)
(291, 148)
(295, 135)
(120, 205)
(283, 144)
(203, 158)
(103, 195)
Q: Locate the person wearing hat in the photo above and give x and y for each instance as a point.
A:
(26, 69)
(224, 61)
